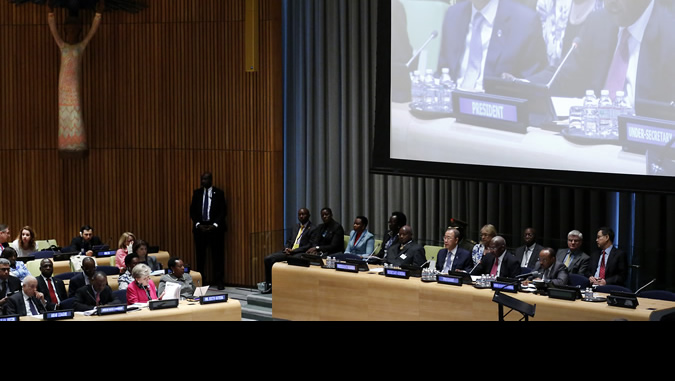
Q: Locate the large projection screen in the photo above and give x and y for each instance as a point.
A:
(410, 140)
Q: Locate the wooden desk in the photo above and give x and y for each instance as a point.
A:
(314, 293)
(61, 267)
(186, 311)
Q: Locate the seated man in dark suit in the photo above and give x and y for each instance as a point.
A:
(27, 302)
(98, 293)
(53, 289)
(329, 237)
(528, 255)
(487, 38)
(84, 278)
(85, 241)
(550, 270)
(574, 258)
(8, 284)
(453, 257)
(609, 265)
(407, 251)
(498, 261)
(297, 243)
(397, 220)
(626, 46)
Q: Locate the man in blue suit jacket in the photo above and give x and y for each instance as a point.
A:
(459, 258)
(651, 26)
(515, 44)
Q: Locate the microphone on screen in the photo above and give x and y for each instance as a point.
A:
(574, 46)
(433, 35)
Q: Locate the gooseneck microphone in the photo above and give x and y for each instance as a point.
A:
(575, 44)
(433, 35)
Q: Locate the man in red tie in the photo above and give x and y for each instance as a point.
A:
(498, 261)
(623, 47)
(609, 265)
(53, 289)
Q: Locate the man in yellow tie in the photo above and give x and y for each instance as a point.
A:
(574, 258)
(297, 243)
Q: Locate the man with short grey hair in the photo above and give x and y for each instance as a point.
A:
(28, 302)
(574, 258)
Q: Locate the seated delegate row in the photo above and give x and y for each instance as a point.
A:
(606, 266)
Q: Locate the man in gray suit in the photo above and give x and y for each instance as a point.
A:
(550, 270)
(574, 258)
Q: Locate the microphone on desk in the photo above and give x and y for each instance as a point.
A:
(533, 273)
(645, 286)
(575, 44)
(433, 35)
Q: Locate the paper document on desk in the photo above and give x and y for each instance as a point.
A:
(201, 291)
(172, 291)
(376, 270)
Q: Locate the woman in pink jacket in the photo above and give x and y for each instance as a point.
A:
(142, 289)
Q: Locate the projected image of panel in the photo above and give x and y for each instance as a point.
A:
(496, 89)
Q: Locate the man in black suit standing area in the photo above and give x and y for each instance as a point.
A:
(407, 251)
(497, 261)
(208, 211)
(609, 265)
(528, 255)
(28, 302)
(53, 289)
(297, 243)
(8, 283)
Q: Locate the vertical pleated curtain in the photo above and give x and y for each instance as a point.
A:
(330, 64)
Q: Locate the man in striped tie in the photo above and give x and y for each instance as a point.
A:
(609, 265)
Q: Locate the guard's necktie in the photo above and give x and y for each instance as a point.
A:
(616, 77)
(474, 68)
(205, 209)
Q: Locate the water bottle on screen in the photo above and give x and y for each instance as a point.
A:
(417, 89)
(447, 87)
(430, 91)
(605, 110)
(621, 108)
(590, 113)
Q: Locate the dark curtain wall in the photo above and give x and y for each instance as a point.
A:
(330, 89)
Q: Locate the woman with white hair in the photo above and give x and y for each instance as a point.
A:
(142, 289)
